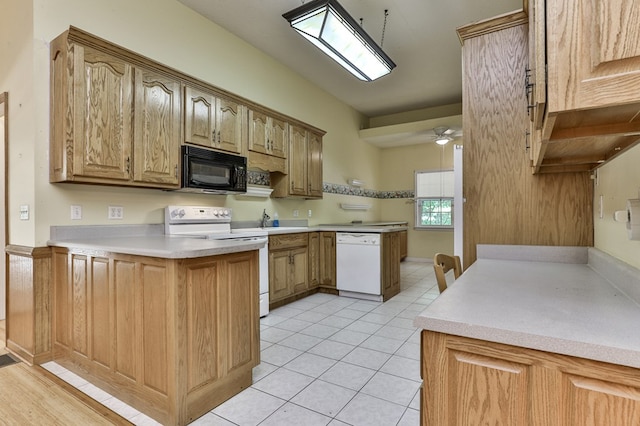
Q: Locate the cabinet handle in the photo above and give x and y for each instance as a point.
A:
(218, 137)
(128, 164)
(175, 171)
(527, 134)
(213, 136)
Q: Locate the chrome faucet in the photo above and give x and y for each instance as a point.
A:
(265, 218)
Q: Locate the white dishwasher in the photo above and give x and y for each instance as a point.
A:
(358, 265)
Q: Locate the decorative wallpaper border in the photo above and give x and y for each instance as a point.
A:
(263, 178)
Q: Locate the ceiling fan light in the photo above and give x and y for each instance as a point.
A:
(442, 140)
(327, 25)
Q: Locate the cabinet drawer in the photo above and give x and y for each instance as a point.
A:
(288, 240)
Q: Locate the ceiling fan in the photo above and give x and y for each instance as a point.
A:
(445, 134)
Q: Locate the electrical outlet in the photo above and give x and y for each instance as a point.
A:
(309, 213)
(24, 212)
(76, 212)
(116, 212)
(296, 213)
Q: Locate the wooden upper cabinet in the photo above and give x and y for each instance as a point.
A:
(267, 135)
(111, 122)
(304, 178)
(92, 109)
(157, 128)
(298, 166)
(213, 121)
(594, 53)
(314, 154)
(589, 111)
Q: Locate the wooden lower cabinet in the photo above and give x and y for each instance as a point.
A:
(327, 259)
(171, 337)
(473, 382)
(404, 244)
(288, 265)
(390, 265)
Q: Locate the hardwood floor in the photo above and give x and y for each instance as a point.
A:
(32, 395)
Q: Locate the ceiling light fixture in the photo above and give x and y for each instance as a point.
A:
(327, 25)
(443, 140)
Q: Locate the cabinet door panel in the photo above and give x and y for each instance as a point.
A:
(328, 259)
(157, 129)
(241, 299)
(103, 99)
(315, 165)
(488, 390)
(154, 321)
(100, 320)
(299, 271)
(229, 125)
(199, 120)
(203, 317)
(594, 50)
(278, 138)
(279, 275)
(126, 325)
(587, 398)
(298, 161)
(258, 132)
(62, 299)
(79, 305)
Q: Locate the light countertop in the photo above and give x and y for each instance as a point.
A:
(553, 305)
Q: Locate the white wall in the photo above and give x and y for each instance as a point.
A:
(170, 33)
(617, 181)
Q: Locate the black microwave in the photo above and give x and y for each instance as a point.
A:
(208, 171)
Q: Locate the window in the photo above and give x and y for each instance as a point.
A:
(434, 199)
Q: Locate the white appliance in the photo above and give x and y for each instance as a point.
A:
(215, 223)
(358, 265)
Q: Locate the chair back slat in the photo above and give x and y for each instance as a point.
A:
(443, 263)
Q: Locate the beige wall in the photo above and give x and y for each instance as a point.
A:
(168, 32)
(397, 171)
(617, 181)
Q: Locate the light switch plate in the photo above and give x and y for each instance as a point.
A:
(24, 212)
(115, 212)
(76, 212)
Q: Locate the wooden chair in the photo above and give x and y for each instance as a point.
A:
(443, 263)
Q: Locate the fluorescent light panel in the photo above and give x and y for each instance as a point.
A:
(327, 25)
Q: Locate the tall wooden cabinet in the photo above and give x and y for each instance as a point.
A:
(213, 121)
(505, 202)
(173, 338)
(113, 122)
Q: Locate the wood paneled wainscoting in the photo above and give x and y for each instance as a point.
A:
(29, 302)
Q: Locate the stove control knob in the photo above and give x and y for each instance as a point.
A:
(227, 213)
(181, 213)
(216, 212)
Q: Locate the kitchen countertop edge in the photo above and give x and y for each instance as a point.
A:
(453, 313)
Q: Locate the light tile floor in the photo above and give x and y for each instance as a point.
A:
(325, 360)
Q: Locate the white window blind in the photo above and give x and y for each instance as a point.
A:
(434, 184)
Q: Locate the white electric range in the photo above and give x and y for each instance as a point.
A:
(214, 223)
